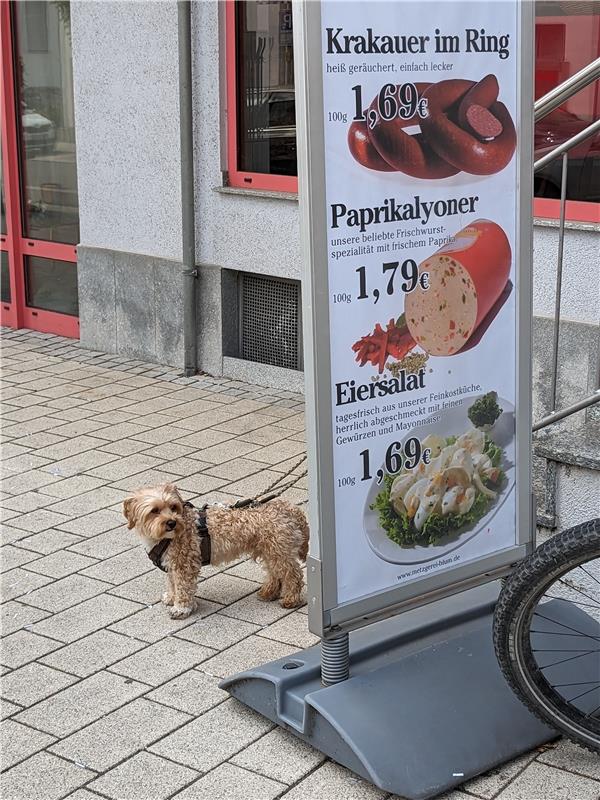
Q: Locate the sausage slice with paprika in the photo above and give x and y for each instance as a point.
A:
(466, 278)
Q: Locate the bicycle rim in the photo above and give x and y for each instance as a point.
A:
(572, 705)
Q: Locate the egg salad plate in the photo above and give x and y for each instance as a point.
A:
(420, 514)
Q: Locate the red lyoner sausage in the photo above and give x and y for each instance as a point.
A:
(407, 153)
(466, 278)
(460, 147)
(362, 149)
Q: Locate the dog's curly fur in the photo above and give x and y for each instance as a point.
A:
(275, 533)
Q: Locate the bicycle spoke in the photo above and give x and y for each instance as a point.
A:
(568, 627)
(575, 589)
(577, 603)
(559, 633)
(562, 650)
(593, 689)
(579, 683)
(591, 713)
(564, 660)
(583, 569)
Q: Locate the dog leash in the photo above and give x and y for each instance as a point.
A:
(202, 531)
(267, 495)
(156, 554)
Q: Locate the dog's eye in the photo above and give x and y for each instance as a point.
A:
(154, 511)
(173, 508)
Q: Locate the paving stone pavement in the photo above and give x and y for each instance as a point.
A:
(103, 696)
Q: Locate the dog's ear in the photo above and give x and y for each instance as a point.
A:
(170, 488)
(129, 507)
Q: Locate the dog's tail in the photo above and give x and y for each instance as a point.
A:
(303, 552)
(303, 525)
(300, 519)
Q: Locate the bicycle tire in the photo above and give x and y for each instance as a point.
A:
(512, 618)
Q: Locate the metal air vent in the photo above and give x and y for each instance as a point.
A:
(270, 321)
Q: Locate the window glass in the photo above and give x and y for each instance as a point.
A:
(44, 80)
(266, 109)
(51, 285)
(567, 38)
(4, 278)
(36, 17)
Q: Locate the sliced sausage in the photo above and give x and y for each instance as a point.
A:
(483, 94)
(466, 278)
(466, 151)
(483, 123)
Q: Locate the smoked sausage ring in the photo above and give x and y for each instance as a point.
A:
(362, 148)
(408, 153)
(448, 127)
(465, 129)
(386, 147)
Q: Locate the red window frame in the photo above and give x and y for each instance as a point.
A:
(17, 314)
(575, 211)
(237, 177)
(542, 207)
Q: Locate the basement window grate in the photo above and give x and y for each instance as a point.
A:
(270, 321)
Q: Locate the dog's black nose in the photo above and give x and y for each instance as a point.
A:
(171, 524)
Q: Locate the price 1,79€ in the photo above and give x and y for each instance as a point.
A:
(408, 271)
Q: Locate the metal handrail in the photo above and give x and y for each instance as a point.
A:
(542, 107)
(566, 146)
(557, 96)
(566, 412)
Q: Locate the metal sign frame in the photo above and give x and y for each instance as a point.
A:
(327, 617)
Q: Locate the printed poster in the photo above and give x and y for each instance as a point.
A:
(420, 109)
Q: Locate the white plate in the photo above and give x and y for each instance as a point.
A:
(453, 422)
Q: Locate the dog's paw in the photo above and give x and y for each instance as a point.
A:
(290, 602)
(270, 590)
(167, 599)
(180, 612)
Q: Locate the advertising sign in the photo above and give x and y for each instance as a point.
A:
(416, 147)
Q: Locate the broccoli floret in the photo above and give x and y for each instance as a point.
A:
(485, 410)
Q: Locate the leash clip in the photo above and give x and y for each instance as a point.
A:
(243, 503)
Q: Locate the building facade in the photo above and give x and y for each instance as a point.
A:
(91, 211)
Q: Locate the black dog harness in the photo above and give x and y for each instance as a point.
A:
(156, 554)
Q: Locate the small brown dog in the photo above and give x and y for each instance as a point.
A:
(276, 533)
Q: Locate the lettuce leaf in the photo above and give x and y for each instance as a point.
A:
(494, 452)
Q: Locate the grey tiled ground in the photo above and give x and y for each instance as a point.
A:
(104, 696)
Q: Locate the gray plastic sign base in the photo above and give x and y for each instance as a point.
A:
(425, 708)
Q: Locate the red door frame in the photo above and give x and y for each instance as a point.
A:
(17, 314)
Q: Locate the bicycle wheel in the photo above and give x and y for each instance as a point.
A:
(547, 633)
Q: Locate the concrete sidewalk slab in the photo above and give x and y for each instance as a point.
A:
(105, 696)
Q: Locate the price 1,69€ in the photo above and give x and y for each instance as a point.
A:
(397, 456)
(392, 102)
